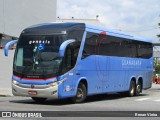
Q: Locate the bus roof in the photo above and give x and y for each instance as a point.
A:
(53, 28)
(57, 27)
(117, 33)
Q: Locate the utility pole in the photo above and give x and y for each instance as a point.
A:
(3, 17)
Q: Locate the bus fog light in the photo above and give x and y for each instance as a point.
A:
(58, 82)
(54, 92)
(53, 84)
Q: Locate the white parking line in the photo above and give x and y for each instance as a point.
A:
(142, 99)
(157, 100)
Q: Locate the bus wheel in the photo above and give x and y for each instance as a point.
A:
(138, 88)
(132, 89)
(81, 94)
(39, 100)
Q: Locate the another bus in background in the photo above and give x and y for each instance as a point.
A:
(5, 39)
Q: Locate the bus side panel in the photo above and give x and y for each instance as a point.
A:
(66, 89)
(116, 75)
(138, 68)
(148, 82)
(88, 69)
(104, 74)
(148, 64)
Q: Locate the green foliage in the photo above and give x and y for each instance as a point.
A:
(157, 68)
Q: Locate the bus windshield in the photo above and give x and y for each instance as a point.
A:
(37, 56)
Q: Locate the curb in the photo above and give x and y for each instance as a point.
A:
(5, 92)
(5, 95)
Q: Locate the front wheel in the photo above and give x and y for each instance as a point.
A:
(39, 100)
(81, 94)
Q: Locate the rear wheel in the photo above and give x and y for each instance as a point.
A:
(81, 94)
(138, 88)
(39, 100)
(132, 89)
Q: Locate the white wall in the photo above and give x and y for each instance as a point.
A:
(15, 15)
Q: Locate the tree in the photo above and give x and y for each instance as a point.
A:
(159, 34)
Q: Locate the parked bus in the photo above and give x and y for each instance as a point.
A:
(4, 40)
(76, 60)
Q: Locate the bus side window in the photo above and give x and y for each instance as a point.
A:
(74, 56)
(90, 45)
(70, 58)
(66, 65)
(74, 51)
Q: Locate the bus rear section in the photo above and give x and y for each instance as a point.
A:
(118, 63)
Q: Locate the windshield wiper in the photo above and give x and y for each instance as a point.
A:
(35, 58)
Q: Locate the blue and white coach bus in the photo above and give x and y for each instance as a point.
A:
(75, 60)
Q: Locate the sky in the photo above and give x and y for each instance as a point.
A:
(135, 17)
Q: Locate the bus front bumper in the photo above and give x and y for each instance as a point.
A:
(27, 90)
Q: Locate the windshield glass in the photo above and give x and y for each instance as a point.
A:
(37, 56)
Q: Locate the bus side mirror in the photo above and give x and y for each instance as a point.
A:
(64, 46)
(6, 48)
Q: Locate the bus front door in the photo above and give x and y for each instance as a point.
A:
(68, 68)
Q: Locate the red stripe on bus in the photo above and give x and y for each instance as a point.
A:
(38, 79)
(103, 33)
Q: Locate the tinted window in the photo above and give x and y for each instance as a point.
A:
(144, 49)
(75, 34)
(96, 44)
(90, 44)
(38, 56)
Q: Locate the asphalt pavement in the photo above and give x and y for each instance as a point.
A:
(93, 107)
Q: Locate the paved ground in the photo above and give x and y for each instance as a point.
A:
(148, 101)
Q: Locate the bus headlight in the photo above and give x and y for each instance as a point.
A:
(58, 82)
(15, 82)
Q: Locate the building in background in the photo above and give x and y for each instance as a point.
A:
(16, 15)
(95, 22)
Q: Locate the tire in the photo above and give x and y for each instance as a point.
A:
(81, 94)
(39, 100)
(138, 88)
(132, 89)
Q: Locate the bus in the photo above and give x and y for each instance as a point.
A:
(76, 60)
(5, 39)
(3, 42)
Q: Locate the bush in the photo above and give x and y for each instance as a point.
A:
(157, 68)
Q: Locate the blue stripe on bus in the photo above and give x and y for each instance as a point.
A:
(41, 82)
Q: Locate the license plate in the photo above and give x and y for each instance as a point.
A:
(31, 92)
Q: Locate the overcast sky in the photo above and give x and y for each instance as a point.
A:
(136, 17)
